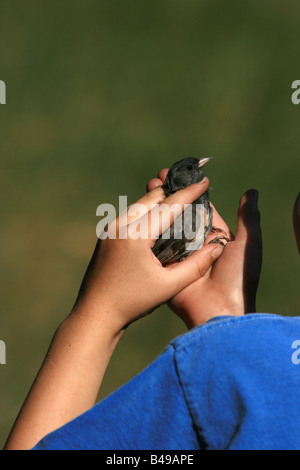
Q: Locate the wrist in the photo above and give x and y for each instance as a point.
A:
(197, 314)
(99, 313)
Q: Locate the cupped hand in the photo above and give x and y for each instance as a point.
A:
(124, 279)
(229, 286)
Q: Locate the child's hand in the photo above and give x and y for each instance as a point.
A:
(124, 280)
(229, 286)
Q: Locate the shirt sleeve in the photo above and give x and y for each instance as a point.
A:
(229, 384)
(149, 412)
(240, 378)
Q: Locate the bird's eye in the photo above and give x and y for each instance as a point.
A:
(190, 167)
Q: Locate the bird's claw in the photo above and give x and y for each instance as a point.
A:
(218, 240)
(217, 230)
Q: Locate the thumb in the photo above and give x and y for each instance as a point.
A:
(249, 239)
(194, 266)
(296, 221)
(248, 223)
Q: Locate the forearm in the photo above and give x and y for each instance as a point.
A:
(69, 379)
(124, 281)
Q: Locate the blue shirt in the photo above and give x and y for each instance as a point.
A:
(232, 383)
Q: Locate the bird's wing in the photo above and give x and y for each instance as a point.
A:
(187, 234)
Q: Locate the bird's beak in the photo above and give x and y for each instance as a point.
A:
(202, 161)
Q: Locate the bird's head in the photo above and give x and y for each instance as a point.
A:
(184, 173)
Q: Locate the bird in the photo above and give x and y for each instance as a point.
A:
(186, 234)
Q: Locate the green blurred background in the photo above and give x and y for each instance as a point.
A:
(100, 96)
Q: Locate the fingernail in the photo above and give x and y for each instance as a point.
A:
(254, 194)
(217, 252)
(203, 181)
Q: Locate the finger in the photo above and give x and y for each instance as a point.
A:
(194, 267)
(162, 174)
(296, 221)
(163, 215)
(248, 223)
(219, 222)
(154, 183)
(155, 195)
(141, 206)
(189, 194)
(249, 243)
